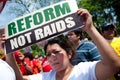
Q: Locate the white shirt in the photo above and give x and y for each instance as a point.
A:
(6, 72)
(82, 71)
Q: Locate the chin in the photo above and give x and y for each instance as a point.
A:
(57, 69)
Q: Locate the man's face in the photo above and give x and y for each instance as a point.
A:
(73, 37)
(109, 32)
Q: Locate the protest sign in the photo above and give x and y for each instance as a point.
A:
(42, 24)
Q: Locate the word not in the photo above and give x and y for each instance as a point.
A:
(42, 32)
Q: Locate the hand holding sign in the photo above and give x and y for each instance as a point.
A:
(87, 18)
(42, 24)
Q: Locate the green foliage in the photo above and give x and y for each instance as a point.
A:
(36, 50)
(103, 11)
(22, 51)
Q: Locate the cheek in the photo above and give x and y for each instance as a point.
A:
(49, 59)
(60, 57)
(63, 58)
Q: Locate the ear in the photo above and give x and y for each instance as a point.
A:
(70, 54)
(78, 36)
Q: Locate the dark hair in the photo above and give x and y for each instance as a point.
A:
(108, 25)
(63, 43)
(111, 26)
(29, 55)
(78, 32)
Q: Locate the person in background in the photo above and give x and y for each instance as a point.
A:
(44, 67)
(29, 63)
(108, 32)
(86, 50)
(20, 58)
(26, 62)
(59, 53)
(38, 64)
(8, 68)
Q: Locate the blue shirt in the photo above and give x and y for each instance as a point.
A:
(86, 51)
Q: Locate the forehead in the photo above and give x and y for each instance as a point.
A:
(110, 26)
(70, 33)
(52, 47)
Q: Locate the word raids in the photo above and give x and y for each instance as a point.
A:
(42, 32)
(38, 18)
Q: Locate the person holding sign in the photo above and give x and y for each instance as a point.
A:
(59, 53)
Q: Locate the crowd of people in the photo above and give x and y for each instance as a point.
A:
(71, 58)
(30, 65)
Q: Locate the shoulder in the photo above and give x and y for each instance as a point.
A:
(116, 38)
(88, 44)
(4, 65)
(84, 71)
(87, 65)
(6, 71)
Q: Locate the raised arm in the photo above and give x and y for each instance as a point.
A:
(110, 62)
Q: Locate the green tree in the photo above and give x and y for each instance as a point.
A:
(103, 11)
(36, 50)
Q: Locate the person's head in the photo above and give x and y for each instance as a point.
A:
(75, 35)
(59, 52)
(28, 55)
(18, 56)
(108, 31)
(39, 57)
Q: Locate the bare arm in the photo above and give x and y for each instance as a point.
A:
(110, 61)
(11, 61)
(29, 69)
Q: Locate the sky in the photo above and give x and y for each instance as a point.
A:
(4, 16)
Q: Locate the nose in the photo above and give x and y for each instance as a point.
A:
(52, 56)
(68, 36)
(52, 59)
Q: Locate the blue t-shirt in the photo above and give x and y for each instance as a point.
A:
(86, 51)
